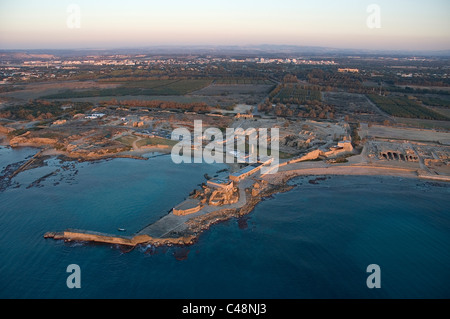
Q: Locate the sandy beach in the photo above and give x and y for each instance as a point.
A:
(283, 176)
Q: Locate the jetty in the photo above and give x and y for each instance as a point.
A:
(26, 165)
(177, 228)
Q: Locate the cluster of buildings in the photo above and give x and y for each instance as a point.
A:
(243, 116)
(98, 62)
(94, 116)
(219, 191)
(348, 70)
(193, 60)
(297, 61)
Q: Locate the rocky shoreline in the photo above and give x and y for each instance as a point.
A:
(196, 225)
(52, 147)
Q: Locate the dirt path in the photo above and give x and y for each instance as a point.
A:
(134, 145)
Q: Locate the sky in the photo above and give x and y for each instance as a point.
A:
(80, 24)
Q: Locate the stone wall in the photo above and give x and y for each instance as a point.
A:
(183, 209)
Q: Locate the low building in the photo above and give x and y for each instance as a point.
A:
(224, 184)
(346, 146)
(342, 147)
(348, 70)
(94, 116)
(245, 172)
(243, 116)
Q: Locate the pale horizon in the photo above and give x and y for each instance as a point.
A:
(405, 25)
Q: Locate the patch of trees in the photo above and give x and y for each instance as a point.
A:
(402, 106)
(423, 81)
(311, 109)
(198, 107)
(432, 101)
(43, 110)
(334, 79)
(297, 94)
(290, 78)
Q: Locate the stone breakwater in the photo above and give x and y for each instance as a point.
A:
(185, 230)
(191, 230)
(88, 236)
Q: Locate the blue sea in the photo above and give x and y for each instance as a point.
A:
(314, 241)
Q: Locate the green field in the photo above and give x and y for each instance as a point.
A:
(127, 140)
(297, 94)
(146, 84)
(155, 141)
(242, 81)
(402, 106)
(432, 101)
(147, 87)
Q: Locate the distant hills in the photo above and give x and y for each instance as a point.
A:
(250, 50)
(5, 55)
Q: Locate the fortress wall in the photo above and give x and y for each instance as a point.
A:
(310, 156)
(184, 212)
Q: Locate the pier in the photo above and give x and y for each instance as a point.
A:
(172, 229)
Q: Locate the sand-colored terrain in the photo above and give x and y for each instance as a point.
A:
(320, 169)
(37, 90)
(379, 131)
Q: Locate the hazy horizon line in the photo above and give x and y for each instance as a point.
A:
(262, 46)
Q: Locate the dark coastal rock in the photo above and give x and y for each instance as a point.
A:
(54, 235)
(181, 253)
(243, 223)
(49, 235)
(316, 180)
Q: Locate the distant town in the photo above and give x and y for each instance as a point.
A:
(25, 67)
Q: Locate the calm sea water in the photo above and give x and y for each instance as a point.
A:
(315, 241)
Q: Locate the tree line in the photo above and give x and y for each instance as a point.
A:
(198, 107)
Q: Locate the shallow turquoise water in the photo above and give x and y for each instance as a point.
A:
(312, 242)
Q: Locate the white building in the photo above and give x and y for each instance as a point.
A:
(94, 116)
